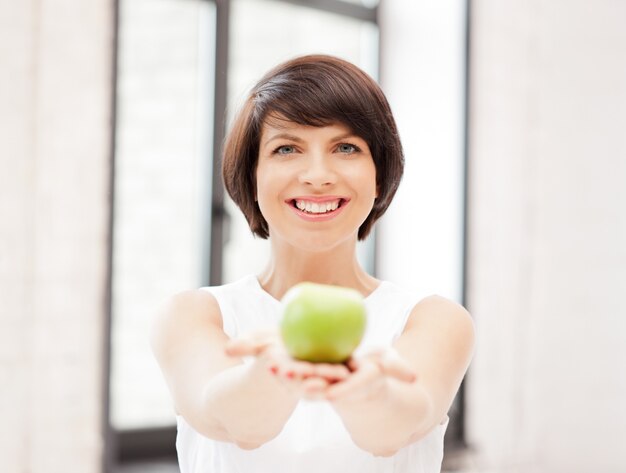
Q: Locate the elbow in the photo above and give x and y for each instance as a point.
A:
(387, 443)
(386, 452)
(244, 439)
(379, 448)
(248, 444)
(251, 441)
(389, 448)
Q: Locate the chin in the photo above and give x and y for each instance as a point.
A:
(322, 242)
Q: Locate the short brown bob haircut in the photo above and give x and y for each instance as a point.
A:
(314, 90)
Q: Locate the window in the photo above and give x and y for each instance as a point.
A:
(161, 186)
(264, 33)
(169, 231)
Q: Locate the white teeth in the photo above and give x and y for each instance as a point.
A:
(315, 207)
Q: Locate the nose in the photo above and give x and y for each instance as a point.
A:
(317, 171)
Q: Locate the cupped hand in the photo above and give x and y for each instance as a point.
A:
(370, 374)
(306, 380)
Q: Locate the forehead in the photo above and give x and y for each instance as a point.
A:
(276, 127)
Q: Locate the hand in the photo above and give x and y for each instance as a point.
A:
(304, 379)
(370, 375)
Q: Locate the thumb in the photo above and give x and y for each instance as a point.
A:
(397, 367)
(249, 345)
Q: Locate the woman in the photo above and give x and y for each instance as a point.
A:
(313, 160)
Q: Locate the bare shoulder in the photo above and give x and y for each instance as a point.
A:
(438, 342)
(191, 311)
(438, 313)
(188, 342)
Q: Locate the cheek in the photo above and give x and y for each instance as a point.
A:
(261, 192)
(261, 181)
(263, 200)
(366, 179)
(268, 181)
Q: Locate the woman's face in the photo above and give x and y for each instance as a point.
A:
(315, 185)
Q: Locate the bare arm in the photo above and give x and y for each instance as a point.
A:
(384, 413)
(218, 395)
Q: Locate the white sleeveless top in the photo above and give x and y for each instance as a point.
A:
(313, 440)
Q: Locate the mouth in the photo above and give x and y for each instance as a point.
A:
(317, 208)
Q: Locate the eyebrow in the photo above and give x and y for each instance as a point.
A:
(297, 139)
(285, 136)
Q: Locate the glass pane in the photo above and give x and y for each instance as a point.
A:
(264, 33)
(162, 187)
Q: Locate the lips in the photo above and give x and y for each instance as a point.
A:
(317, 207)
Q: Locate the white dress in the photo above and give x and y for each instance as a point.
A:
(313, 440)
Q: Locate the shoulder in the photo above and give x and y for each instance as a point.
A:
(189, 305)
(441, 304)
(439, 313)
(185, 312)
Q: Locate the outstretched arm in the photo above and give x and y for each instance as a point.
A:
(396, 397)
(220, 397)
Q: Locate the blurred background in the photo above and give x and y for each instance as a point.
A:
(513, 119)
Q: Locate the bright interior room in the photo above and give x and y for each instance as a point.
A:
(512, 204)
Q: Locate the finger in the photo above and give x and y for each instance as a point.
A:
(314, 384)
(246, 346)
(352, 364)
(291, 369)
(360, 380)
(334, 372)
(316, 391)
(314, 388)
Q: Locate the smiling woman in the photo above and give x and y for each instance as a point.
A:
(313, 160)
(314, 175)
(309, 93)
(266, 33)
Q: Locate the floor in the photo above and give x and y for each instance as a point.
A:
(164, 466)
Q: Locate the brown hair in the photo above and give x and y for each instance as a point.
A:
(313, 90)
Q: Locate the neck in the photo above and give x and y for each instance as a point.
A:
(337, 266)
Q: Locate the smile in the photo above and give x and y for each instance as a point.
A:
(317, 207)
(316, 210)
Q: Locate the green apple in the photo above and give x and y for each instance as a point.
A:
(322, 323)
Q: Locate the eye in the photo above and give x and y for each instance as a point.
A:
(285, 149)
(348, 148)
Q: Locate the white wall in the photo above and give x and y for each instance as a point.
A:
(420, 240)
(55, 95)
(547, 216)
(547, 253)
